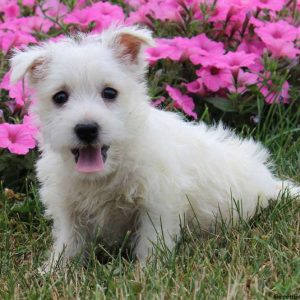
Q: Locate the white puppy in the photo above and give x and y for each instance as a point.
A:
(111, 162)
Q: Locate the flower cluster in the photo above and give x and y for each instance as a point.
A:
(227, 48)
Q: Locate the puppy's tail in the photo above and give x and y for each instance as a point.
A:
(288, 188)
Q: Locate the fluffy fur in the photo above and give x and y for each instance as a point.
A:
(159, 171)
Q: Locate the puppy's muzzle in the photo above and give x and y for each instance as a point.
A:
(90, 155)
(87, 133)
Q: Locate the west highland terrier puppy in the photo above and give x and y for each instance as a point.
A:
(112, 163)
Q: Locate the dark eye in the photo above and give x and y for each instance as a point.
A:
(60, 98)
(109, 94)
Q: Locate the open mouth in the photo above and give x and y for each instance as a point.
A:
(90, 159)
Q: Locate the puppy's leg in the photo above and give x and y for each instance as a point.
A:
(158, 225)
(68, 241)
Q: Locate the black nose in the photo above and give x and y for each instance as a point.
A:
(87, 132)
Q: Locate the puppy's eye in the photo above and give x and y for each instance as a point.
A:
(109, 94)
(60, 98)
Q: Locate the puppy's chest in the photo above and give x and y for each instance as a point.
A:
(94, 198)
(115, 223)
(108, 215)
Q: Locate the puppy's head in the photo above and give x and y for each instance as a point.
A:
(89, 90)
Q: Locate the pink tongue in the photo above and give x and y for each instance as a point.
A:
(90, 160)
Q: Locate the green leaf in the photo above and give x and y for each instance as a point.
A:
(222, 104)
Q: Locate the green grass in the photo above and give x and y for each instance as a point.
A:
(256, 259)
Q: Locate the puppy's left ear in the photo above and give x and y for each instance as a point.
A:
(128, 43)
(29, 62)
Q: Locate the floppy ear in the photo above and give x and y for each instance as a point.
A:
(31, 61)
(128, 43)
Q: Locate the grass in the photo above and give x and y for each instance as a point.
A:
(255, 259)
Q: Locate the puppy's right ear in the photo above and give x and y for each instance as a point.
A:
(31, 62)
(128, 44)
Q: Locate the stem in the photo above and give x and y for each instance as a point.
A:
(55, 21)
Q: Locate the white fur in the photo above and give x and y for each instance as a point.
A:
(160, 170)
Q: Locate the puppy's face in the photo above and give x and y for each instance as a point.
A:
(88, 91)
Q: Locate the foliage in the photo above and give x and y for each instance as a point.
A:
(213, 60)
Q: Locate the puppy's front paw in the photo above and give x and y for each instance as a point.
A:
(53, 263)
(46, 268)
(144, 251)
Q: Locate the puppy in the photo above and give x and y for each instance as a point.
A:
(112, 163)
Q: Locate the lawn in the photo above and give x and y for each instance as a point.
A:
(255, 259)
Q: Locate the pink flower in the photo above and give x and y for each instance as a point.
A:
(181, 101)
(9, 40)
(256, 22)
(109, 11)
(135, 3)
(165, 48)
(254, 46)
(275, 5)
(29, 3)
(215, 78)
(164, 10)
(32, 23)
(201, 46)
(220, 12)
(27, 25)
(17, 138)
(238, 59)
(16, 91)
(10, 9)
(81, 4)
(279, 97)
(275, 32)
(229, 10)
(168, 10)
(52, 8)
(195, 87)
(283, 49)
(141, 16)
(102, 13)
(158, 101)
(278, 38)
(82, 17)
(180, 48)
(257, 47)
(213, 60)
(156, 53)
